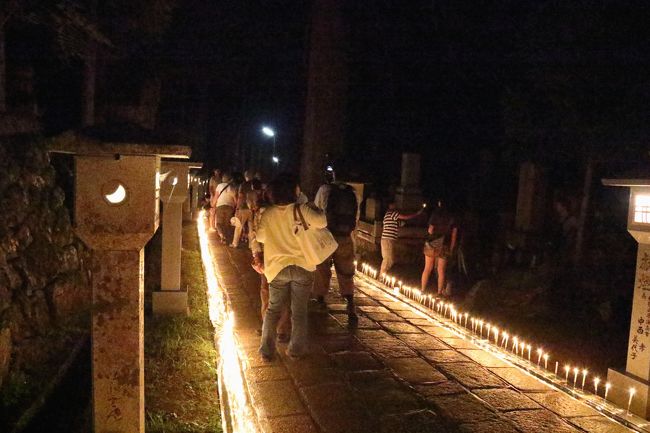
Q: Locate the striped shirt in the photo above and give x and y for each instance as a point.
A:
(391, 225)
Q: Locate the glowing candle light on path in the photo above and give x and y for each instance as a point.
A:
(515, 345)
(576, 370)
(481, 326)
(522, 347)
(495, 330)
(596, 382)
(489, 328)
(584, 377)
(556, 364)
(466, 316)
(607, 386)
(529, 349)
(505, 340)
(566, 373)
(629, 402)
(540, 352)
(546, 361)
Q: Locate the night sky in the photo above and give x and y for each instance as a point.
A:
(475, 86)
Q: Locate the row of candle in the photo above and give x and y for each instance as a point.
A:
(492, 334)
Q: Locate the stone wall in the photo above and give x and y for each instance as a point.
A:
(44, 286)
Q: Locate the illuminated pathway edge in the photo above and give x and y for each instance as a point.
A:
(400, 371)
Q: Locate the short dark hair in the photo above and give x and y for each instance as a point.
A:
(282, 189)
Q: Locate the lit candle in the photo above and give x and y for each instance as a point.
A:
(505, 340)
(393, 282)
(566, 375)
(496, 335)
(576, 370)
(515, 344)
(481, 327)
(466, 316)
(607, 386)
(556, 364)
(596, 382)
(522, 347)
(529, 349)
(546, 361)
(489, 327)
(399, 283)
(355, 265)
(584, 377)
(540, 352)
(629, 402)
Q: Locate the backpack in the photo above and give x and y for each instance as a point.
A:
(341, 209)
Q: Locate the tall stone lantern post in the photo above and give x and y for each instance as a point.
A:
(116, 213)
(637, 370)
(174, 192)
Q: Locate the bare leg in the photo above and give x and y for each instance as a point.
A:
(442, 268)
(428, 267)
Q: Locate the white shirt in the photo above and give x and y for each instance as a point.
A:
(276, 232)
(227, 195)
(322, 196)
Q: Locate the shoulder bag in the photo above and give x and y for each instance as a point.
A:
(316, 244)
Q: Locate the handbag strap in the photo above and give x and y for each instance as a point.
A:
(297, 212)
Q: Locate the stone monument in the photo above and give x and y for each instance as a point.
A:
(409, 194)
(174, 192)
(637, 369)
(116, 213)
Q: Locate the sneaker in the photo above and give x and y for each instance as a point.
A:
(266, 358)
(294, 357)
(319, 306)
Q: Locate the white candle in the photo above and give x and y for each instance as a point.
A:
(566, 371)
(596, 382)
(607, 386)
(546, 361)
(629, 402)
(584, 377)
(575, 375)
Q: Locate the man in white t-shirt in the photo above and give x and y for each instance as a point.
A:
(226, 193)
(215, 180)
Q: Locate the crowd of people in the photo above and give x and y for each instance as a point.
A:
(294, 243)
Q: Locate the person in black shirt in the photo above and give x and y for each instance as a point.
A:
(442, 235)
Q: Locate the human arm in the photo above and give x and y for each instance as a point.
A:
(406, 217)
(454, 238)
(321, 197)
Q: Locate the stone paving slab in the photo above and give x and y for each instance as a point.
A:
(520, 380)
(506, 399)
(536, 421)
(562, 404)
(395, 372)
(471, 375)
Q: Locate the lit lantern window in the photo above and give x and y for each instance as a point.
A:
(642, 209)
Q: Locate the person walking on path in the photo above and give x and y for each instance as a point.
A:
(339, 202)
(289, 274)
(243, 211)
(226, 201)
(442, 236)
(214, 181)
(257, 204)
(389, 234)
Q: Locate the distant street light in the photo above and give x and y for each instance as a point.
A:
(268, 131)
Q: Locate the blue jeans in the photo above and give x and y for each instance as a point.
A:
(294, 283)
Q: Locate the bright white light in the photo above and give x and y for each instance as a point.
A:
(174, 181)
(116, 196)
(268, 131)
(642, 209)
(275, 159)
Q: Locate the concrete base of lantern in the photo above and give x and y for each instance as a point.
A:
(619, 393)
(170, 302)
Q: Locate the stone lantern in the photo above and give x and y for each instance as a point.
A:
(116, 213)
(174, 192)
(637, 370)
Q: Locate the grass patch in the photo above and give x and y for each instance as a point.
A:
(180, 358)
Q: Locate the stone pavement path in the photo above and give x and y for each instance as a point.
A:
(397, 372)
